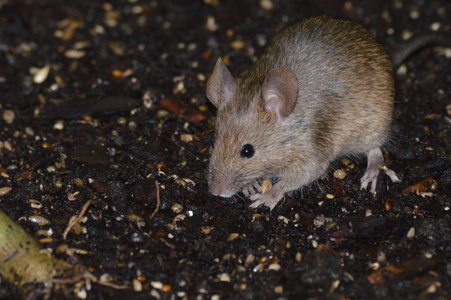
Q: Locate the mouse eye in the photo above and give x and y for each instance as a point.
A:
(247, 151)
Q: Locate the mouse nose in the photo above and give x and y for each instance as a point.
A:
(223, 186)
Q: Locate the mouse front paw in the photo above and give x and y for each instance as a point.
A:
(269, 199)
(252, 189)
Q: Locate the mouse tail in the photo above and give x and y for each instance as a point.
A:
(416, 43)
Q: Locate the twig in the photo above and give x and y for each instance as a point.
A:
(157, 185)
(74, 222)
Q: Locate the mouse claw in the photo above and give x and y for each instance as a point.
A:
(269, 199)
(375, 164)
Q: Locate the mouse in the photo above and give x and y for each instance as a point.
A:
(322, 89)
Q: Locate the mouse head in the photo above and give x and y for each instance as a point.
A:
(250, 118)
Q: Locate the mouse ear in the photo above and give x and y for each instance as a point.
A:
(280, 92)
(221, 86)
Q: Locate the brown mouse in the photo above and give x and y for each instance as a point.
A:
(322, 89)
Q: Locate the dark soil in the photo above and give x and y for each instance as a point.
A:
(123, 107)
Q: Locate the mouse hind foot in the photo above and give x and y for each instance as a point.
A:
(375, 164)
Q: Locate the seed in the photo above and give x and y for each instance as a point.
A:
(275, 267)
(186, 137)
(388, 205)
(232, 236)
(340, 174)
(41, 221)
(177, 208)
(4, 190)
(78, 182)
(411, 233)
(74, 54)
(266, 185)
(41, 75)
(8, 116)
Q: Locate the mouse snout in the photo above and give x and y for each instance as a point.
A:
(223, 185)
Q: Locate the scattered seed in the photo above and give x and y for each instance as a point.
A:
(315, 244)
(402, 70)
(249, 259)
(266, 5)
(211, 24)
(177, 208)
(4, 191)
(35, 204)
(41, 75)
(137, 285)
(381, 257)
(78, 182)
(406, 34)
(298, 257)
(274, 266)
(161, 114)
(75, 54)
(368, 213)
(41, 221)
(237, 44)
(278, 289)
(319, 221)
(436, 26)
(258, 268)
(232, 237)
(414, 14)
(388, 205)
(7, 145)
(330, 196)
(411, 233)
(156, 284)
(266, 185)
(284, 219)
(348, 7)
(59, 125)
(8, 116)
(166, 288)
(340, 174)
(224, 277)
(186, 137)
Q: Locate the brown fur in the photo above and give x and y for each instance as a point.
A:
(344, 106)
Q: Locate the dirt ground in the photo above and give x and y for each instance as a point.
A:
(105, 102)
